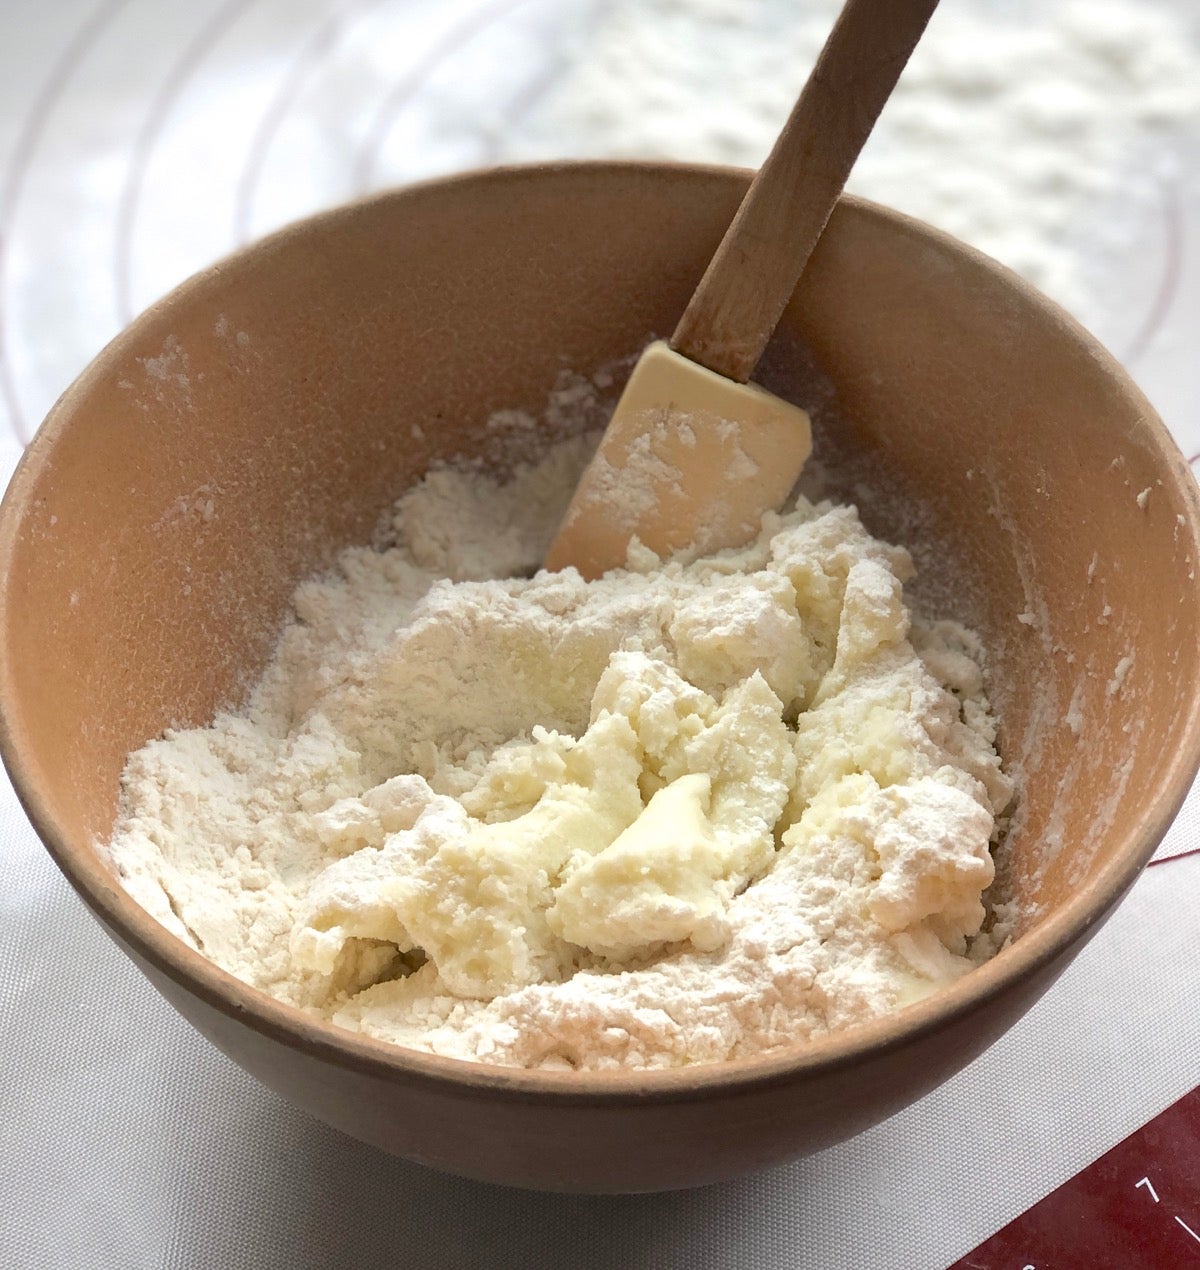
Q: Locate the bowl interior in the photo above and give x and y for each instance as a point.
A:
(270, 411)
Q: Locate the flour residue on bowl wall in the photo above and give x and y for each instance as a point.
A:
(171, 368)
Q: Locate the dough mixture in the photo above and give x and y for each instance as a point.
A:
(688, 812)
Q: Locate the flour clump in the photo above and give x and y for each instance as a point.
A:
(694, 810)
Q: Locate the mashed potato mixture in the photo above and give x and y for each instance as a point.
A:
(691, 811)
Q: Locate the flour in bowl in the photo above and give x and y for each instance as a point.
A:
(691, 811)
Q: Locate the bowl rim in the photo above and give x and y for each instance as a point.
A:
(1061, 932)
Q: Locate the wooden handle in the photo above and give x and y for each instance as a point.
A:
(755, 270)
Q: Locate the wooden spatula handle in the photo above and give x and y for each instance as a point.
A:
(747, 284)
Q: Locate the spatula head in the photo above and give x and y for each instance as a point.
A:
(690, 461)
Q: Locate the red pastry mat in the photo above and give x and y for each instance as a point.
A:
(1137, 1206)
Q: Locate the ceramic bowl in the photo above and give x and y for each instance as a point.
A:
(259, 418)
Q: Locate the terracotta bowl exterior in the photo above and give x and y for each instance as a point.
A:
(259, 419)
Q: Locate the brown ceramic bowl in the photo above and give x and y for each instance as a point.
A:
(256, 420)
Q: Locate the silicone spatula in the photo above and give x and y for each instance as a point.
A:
(694, 454)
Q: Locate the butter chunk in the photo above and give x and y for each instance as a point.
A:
(473, 895)
(654, 884)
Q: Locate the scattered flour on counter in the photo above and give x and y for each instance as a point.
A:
(683, 813)
(1037, 132)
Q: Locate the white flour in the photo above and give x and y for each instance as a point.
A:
(1023, 129)
(680, 814)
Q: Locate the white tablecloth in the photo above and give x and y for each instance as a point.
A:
(125, 1140)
